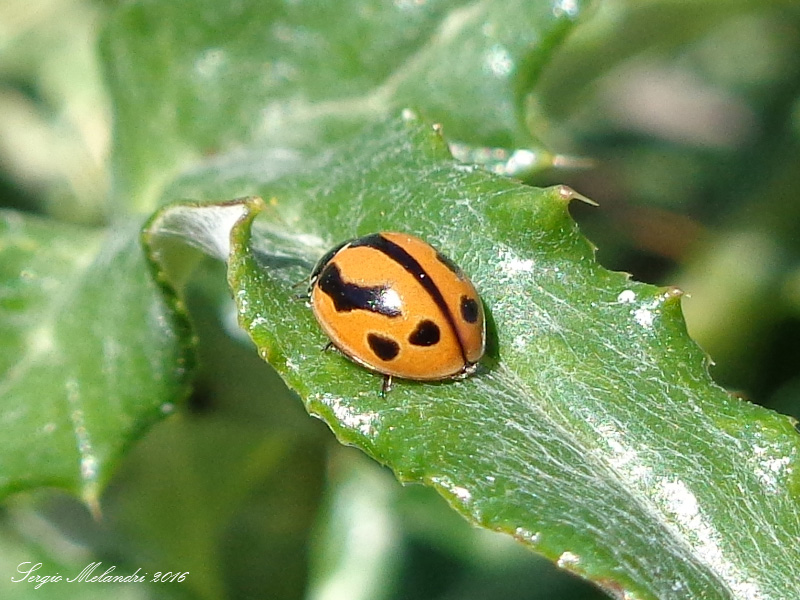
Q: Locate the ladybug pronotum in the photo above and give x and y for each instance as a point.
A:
(394, 304)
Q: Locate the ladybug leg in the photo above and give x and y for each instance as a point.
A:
(386, 387)
(328, 346)
(306, 295)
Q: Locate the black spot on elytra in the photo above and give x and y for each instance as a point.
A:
(426, 334)
(383, 347)
(469, 309)
(351, 296)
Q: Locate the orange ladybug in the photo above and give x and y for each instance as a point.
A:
(394, 304)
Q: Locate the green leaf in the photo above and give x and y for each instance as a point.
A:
(92, 352)
(592, 432)
(197, 77)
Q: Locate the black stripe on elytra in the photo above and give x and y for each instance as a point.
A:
(413, 268)
(347, 296)
(325, 260)
(450, 264)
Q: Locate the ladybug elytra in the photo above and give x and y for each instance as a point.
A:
(395, 305)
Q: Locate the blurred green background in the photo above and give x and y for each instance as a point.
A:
(690, 114)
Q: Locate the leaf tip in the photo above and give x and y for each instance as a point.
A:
(255, 203)
(91, 499)
(672, 295)
(567, 194)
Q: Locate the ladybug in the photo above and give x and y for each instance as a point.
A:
(395, 305)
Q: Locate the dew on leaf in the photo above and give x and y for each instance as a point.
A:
(568, 559)
(644, 317)
(565, 8)
(498, 61)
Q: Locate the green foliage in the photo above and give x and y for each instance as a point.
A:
(92, 353)
(300, 77)
(581, 435)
